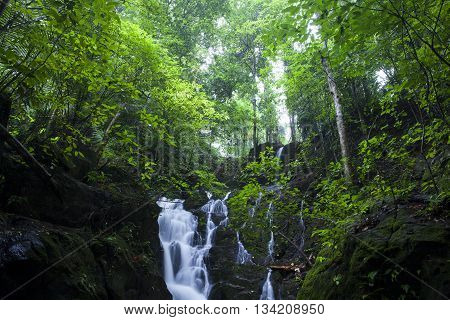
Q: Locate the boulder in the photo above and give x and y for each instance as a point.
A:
(232, 280)
(43, 261)
(403, 256)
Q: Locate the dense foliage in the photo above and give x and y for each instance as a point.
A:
(169, 93)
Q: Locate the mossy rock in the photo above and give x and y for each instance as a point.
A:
(41, 261)
(232, 281)
(44, 261)
(403, 257)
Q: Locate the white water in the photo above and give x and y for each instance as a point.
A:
(185, 271)
(267, 291)
(243, 257)
(270, 248)
(280, 152)
(214, 208)
(269, 213)
(257, 203)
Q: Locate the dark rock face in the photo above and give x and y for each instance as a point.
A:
(44, 261)
(41, 233)
(242, 282)
(402, 257)
(262, 147)
(231, 280)
(26, 195)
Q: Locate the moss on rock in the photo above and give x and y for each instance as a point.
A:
(402, 257)
(44, 261)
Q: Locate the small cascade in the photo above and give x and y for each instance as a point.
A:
(258, 200)
(269, 213)
(252, 210)
(243, 257)
(216, 208)
(279, 152)
(267, 291)
(270, 248)
(226, 197)
(185, 271)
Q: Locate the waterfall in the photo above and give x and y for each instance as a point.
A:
(269, 213)
(270, 248)
(258, 200)
(280, 152)
(243, 257)
(216, 208)
(185, 271)
(252, 210)
(267, 291)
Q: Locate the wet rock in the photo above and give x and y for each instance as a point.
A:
(231, 280)
(404, 256)
(44, 261)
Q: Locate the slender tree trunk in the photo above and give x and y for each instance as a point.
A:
(244, 141)
(139, 150)
(293, 124)
(339, 119)
(255, 130)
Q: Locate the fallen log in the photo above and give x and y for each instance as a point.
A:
(289, 268)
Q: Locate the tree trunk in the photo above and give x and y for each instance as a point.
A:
(339, 119)
(293, 124)
(255, 130)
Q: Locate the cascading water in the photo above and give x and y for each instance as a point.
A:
(258, 200)
(185, 271)
(216, 208)
(257, 203)
(269, 213)
(267, 291)
(279, 152)
(243, 257)
(270, 248)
